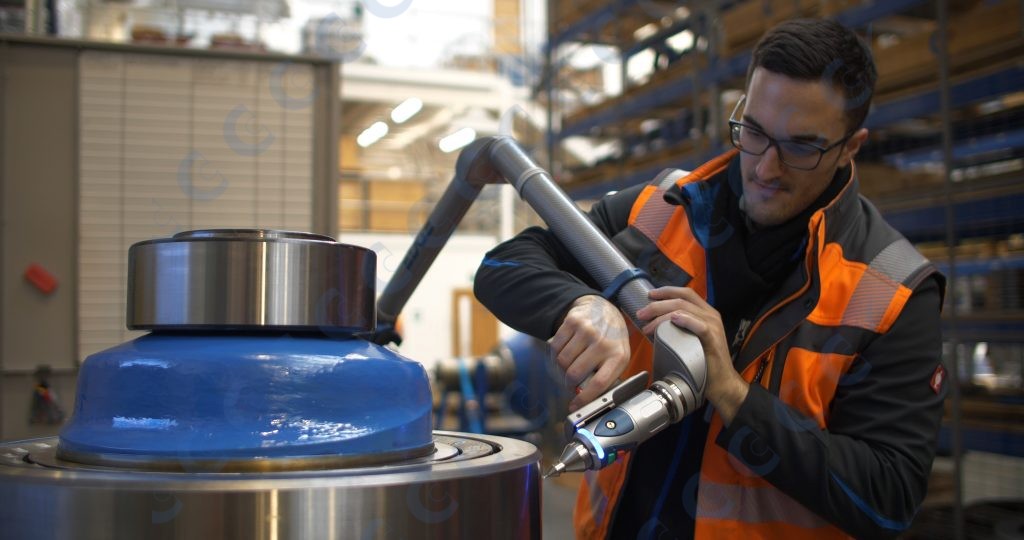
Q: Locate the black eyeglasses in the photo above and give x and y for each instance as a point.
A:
(800, 155)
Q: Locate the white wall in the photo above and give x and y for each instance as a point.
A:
(427, 318)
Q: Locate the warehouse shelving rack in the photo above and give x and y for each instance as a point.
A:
(708, 71)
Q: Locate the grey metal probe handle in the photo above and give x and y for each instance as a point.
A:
(614, 397)
(597, 443)
(472, 171)
(678, 353)
(588, 245)
(649, 415)
(492, 160)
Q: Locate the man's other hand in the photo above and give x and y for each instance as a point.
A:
(726, 389)
(592, 341)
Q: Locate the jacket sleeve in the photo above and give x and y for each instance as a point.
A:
(530, 281)
(867, 473)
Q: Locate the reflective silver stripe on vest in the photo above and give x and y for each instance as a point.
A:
(668, 178)
(898, 260)
(655, 214)
(752, 505)
(877, 286)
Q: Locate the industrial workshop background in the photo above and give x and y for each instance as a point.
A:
(129, 120)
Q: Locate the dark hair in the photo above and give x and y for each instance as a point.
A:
(809, 49)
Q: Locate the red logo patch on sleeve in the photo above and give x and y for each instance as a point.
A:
(938, 377)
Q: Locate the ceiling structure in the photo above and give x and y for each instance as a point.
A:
(451, 100)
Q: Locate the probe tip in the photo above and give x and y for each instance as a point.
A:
(556, 470)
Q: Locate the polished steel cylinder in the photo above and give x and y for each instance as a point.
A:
(476, 486)
(250, 279)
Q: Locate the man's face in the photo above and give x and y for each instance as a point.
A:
(790, 109)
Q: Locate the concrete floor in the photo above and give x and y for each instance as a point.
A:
(559, 497)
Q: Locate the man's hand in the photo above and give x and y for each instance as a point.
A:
(726, 390)
(593, 339)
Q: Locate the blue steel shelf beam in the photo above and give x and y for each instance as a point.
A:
(999, 144)
(977, 89)
(1004, 442)
(974, 329)
(984, 266)
(864, 15)
(663, 94)
(980, 217)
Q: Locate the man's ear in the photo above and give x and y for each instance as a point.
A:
(852, 146)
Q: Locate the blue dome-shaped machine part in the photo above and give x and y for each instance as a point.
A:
(236, 401)
(252, 363)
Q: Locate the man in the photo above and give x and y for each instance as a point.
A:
(819, 322)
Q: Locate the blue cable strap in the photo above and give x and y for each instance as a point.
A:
(863, 506)
(470, 414)
(621, 280)
(497, 263)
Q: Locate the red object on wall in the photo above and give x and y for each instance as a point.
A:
(40, 278)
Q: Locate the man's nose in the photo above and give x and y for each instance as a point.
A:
(770, 165)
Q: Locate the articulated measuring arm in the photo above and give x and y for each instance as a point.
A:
(493, 160)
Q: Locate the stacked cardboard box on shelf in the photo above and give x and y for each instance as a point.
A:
(878, 179)
(589, 110)
(743, 24)
(985, 33)
(690, 64)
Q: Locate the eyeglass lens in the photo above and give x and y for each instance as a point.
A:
(793, 153)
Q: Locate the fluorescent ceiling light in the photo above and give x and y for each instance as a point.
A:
(682, 41)
(645, 31)
(406, 110)
(372, 134)
(457, 140)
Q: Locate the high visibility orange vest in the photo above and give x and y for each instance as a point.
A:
(855, 280)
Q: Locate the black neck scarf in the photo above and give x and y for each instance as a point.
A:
(746, 264)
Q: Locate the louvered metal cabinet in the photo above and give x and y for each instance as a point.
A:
(105, 145)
